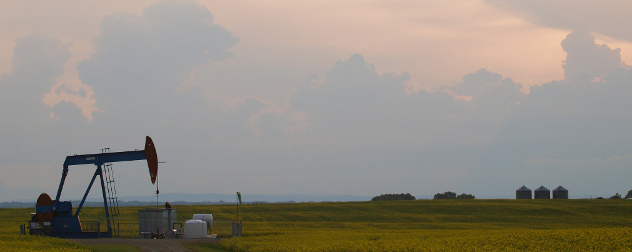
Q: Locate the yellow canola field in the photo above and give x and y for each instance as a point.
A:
(16, 242)
(420, 225)
(438, 225)
(583, 239)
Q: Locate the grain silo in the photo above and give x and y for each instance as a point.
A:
(542, 193)
(523, 193)
(560, 193)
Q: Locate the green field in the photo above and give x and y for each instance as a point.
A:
(421, 225)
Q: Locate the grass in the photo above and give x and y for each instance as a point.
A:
(113, 247)
(204, 246)
(421, 225)
(11, 240)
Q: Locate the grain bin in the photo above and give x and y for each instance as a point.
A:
(560, 193)
(523, 193)
(542, 193)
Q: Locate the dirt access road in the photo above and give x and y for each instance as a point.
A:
(147, 244)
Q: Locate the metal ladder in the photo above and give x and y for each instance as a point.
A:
(110, 185)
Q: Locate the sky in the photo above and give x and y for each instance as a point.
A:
(318, 97)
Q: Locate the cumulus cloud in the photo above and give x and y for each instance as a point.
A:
(574, 121)
(353, 121)
(473, 82)
(153, 53)
(585, 56)
(580, 116)
(489, 92)
(351, 96)
(373, 124)
(139, 63)
(37, 60)
(365, 127)
(353, 99)
(29, 138)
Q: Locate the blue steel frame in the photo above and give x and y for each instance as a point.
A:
(98, 160)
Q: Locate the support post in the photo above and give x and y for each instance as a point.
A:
(97, 172)
(64, 173)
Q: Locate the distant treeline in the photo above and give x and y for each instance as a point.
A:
(401, 196)
(137, 203)
(407, 196)
(452, 195)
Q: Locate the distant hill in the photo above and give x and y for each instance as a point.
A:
(203, 198)
(213, 198)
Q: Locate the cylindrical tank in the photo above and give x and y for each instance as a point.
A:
(560, 193)
(156, 219)
(523, 193)
(205, 217)
(194, 229)
(542, 193)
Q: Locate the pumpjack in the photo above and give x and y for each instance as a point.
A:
(55, 217)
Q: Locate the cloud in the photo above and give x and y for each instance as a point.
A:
(608, 18)
(153, 53)
(473, 82)
(354, 101)
(489, 92)
(585, 56)
(37, 60)
(580, 116)
(348, 130)
(364, 121)
(41, 52)
(80, 96)
(141, 61)
(351, 97)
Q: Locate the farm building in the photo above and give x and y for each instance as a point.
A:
(542, 193)
(523, 193)
(560, 193)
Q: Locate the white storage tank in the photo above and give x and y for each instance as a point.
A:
(194, 229)
(205, 217)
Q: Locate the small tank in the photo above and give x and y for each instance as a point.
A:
(208, 218)
(194, 229)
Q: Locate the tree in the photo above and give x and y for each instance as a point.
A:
(616, 196)
(445, 195)
(400, 196)
(629, 195)
(465, 196)
(452, 195)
